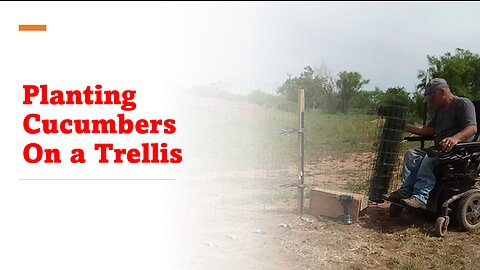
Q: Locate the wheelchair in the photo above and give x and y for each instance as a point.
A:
(455, 194)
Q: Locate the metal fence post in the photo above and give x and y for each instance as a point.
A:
(301, 144)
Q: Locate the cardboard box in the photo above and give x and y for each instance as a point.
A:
(325, 202)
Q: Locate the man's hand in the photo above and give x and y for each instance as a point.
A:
(448, 143)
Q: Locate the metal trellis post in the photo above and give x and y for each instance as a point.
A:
(301, 143)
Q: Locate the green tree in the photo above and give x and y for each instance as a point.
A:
(320, 91)
(365, 101)
(397, 96)
(348, 84)
(417, 107)
(461, 70)
(308, 81)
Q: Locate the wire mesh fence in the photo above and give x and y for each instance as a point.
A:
(387, 155)
(355, 152)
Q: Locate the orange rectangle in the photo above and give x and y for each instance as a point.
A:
(35, 27)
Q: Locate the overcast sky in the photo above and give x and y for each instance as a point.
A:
(255, 45)
(259, 43)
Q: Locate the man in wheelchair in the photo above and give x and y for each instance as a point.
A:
(445, 174)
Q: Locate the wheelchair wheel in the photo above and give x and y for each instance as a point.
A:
(441, 226)
(468, 212)
(395, 211)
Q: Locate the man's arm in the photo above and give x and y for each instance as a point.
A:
(448, 143)
(466, 118)
(420, 130)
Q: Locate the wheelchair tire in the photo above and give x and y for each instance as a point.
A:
(441, 226)
(468, 212)
(395, 211)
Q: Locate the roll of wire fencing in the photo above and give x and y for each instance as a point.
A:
(393, 115)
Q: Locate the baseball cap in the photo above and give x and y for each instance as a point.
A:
(433, 86)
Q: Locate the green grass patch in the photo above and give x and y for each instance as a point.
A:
(334, 135)
(237, 133)
(359, 187)
(338, 134)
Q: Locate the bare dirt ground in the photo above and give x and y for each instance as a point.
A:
(333, 172)
(254, 225)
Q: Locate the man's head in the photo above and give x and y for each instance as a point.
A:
(436, 91)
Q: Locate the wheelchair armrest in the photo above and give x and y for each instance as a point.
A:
(470, 146)
(458, 152)
(419, 138)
